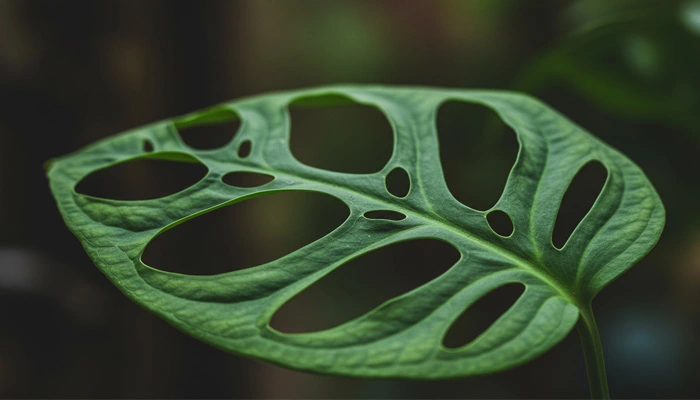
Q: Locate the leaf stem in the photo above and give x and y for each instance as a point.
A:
(593, 354)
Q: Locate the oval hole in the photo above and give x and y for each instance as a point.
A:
(583, 191)
(398, 183)
(143, 178)
(243, 179)
(147, 146)
(477, 152)
(385, 214)
(364, 283)
(244, 149)
(211, 131)
(481, 315)
(340, 136)
(500, 222)
(245, 234)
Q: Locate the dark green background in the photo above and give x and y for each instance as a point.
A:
(74, 72)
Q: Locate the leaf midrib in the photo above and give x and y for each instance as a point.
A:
(433, 219)
(447, 225)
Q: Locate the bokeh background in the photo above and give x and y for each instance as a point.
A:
(77, 71)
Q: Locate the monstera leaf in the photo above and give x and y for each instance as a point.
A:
(402, 337)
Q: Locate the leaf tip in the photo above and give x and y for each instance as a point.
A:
(48, 165)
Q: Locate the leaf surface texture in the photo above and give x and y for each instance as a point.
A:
(403, 337)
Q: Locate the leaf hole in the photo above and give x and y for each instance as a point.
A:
(398, 183)
(339, 134)
(500, 222)
(211, 130)
(385, 214)
(147, 146)
(477, 152)
(478, 317)
(243, 179)
(143, 178)
(362, 284)
(578, 200)
(244, 149)
(245, 234)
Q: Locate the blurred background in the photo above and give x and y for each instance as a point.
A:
(74, 72)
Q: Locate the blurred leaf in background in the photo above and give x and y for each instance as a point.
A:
(638, 59)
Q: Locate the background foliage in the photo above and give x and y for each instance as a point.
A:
(75, 72)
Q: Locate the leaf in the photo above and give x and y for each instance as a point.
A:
(402, 337)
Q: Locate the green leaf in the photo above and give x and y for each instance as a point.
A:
(402, 337)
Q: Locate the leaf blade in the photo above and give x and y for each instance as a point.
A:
(402, 337)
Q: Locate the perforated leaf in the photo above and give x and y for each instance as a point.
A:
(402, 337)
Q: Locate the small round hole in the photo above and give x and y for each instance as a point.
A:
(500, 222)
(147, 146)
(398, 183)
(244, 149)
